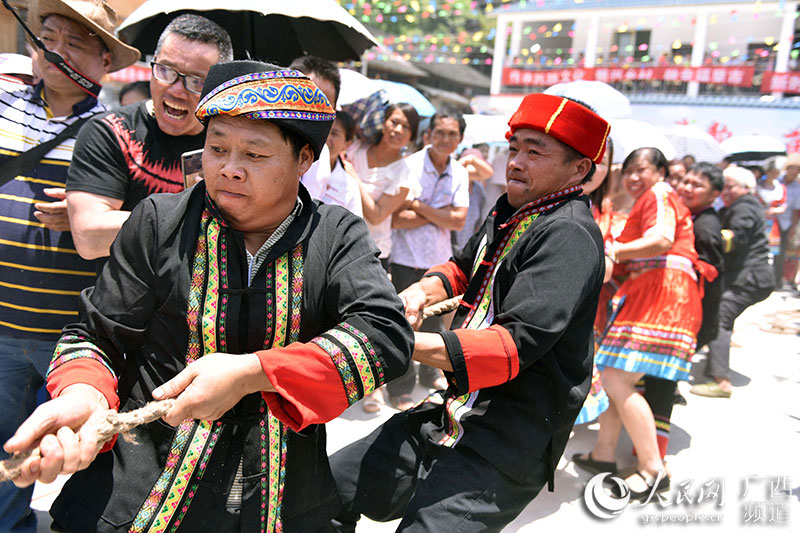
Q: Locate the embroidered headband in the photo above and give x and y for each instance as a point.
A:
(260, 91)
(561, 118)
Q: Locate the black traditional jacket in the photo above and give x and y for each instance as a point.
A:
(321, 315)
(746, 245)
(521, 344)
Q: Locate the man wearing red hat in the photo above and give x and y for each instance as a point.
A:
(519, 357)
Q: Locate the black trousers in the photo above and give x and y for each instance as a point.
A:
(732, 304)
(395, 472)
(402, 278)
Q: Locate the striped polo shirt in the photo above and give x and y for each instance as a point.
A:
(41, 274)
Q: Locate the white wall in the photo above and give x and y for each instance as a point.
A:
(743, 27)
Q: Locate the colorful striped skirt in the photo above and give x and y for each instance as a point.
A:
(596, 402)
(655, 331)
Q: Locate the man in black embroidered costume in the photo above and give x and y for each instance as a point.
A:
(519, 359)
(265, 313)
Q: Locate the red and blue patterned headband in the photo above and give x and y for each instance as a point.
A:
(273, 95)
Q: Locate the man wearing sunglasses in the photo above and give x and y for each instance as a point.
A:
(128, 154)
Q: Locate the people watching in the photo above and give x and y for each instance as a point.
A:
(421, 230)
(479, 170)
(325, 74)
(41, 275)
(518, 366)
(773, 196)
(657, 248)
(246, 302)
(127, 154)
(748, 277)
(133, 92)
(342, 186)
(383, 174)
(677, 171)
(788, 222)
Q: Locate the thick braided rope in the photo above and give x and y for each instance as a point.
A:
(111, 424)
(441, 308)
(122, 423)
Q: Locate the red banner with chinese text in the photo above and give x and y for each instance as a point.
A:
(737, 76)
(781, 82)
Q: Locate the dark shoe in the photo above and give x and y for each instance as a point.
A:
(643, 496)
(679, 399)
(591, 465)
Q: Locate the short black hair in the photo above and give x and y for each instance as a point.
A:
(296, 140)
(653, 155)
(711, 172)
(199, 29)
(448, 113)
(571, 154)
(323, 68)
(135, 86)
(348, 124)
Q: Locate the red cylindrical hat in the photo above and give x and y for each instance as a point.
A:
(573, 124)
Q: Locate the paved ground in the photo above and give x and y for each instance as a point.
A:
(748, 445)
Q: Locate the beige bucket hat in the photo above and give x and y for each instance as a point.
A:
(99, 17)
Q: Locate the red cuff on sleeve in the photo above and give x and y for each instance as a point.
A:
(490, 356)
(89, 372)
(455, 276)
(309, 388)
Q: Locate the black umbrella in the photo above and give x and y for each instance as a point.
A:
(276, 31)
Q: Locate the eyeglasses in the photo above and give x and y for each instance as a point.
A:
(169, 75)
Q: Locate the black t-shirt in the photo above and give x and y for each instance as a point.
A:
(123, 154)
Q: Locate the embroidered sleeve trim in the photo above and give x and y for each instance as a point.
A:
(340, 361)
(354, 358)
(71, 347)
(77, 360)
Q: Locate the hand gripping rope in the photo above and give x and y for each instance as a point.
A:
(110, 423)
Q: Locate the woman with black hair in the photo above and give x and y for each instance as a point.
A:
(385, 183)
(383, 174)
(656, 312)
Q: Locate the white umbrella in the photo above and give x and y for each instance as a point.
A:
(607, 102)
(485, 129)
(356, 86)
(751, 147)
(689, 139)
(629, 134)
(276, 31)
